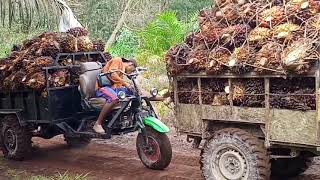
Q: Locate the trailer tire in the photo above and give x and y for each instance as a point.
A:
(77, 142)
(16, 141)
(289, 167)
(234, 154)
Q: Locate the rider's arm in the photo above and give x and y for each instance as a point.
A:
(118, 80)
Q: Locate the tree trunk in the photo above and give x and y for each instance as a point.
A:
(119, 25)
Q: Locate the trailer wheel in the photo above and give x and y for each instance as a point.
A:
(15, 139)
(289, 167)
(234, 154)
(77, 142)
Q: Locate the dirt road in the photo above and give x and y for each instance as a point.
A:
(115, 159)
(101, 160)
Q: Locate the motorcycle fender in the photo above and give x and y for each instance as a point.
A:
(156, 124)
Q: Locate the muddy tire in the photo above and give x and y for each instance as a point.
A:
(15, 139)
(77, 142)
(289, 167)
(234, 154)
(158, 154)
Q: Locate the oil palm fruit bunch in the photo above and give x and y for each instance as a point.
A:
(269, 58)
(283, 31)
(189, 93)
(299, 56)
(197, 60)
(218, 59)
(222, 3)
(206, 16)
(84, 44)
(78, 31)
(210, 32)
(313, 27)
(228, 14)
(36, 81)
(35, 65)
(248, 93)
(220, 99)
(272, 17)
(259, 36)
(238, 95)
(234, 35)
(211, 88)
(69, 43)
(242, 59)
(176, 59)
(7, 82)
(248, 13)
(292, 88)
(98, 45)
(300, 11)
(60, 78)
(17, 80)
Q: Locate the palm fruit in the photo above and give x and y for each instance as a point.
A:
(234, 35)
(299, 56)
(60, 78)
(249, 12)
(98, 45)
(84, 44)
(248, 92)
(242, 59)
(269, 58)
(300, 11)
(218, 59)
(228, 14)
(36, 81)
(313, 27)
(78, 31)
(197, 60)
(176, 59)
(69, 43)
(17, 80)
(272, 17)
(259, 36)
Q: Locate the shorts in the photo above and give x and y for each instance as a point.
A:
(111, 94)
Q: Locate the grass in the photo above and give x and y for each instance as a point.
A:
(64, 176)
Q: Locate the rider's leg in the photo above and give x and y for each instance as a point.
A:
(105, 110)
(111, 99)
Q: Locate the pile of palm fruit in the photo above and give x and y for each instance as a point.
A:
(262, 37)
(23, 68)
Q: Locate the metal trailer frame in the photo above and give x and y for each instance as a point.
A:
(278, 127)
(62, 104)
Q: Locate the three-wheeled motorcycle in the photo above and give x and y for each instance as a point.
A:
(72, 110)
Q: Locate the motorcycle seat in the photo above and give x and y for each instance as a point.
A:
(87, 88)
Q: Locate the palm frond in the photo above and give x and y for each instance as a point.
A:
(30, 13)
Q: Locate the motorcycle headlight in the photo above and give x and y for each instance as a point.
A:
(154, 92)
(121, 95)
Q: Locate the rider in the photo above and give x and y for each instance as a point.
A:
(110, 93)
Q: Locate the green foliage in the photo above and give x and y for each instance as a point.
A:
(186, 9)
(100, 17)
(9, 37)
(126, 46)
(164, 32)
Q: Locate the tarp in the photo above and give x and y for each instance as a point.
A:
(67, 19)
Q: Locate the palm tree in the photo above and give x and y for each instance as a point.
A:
(31, 12)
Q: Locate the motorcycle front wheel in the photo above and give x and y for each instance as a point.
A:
(157, 153)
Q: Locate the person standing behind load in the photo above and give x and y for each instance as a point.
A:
(110, 92)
